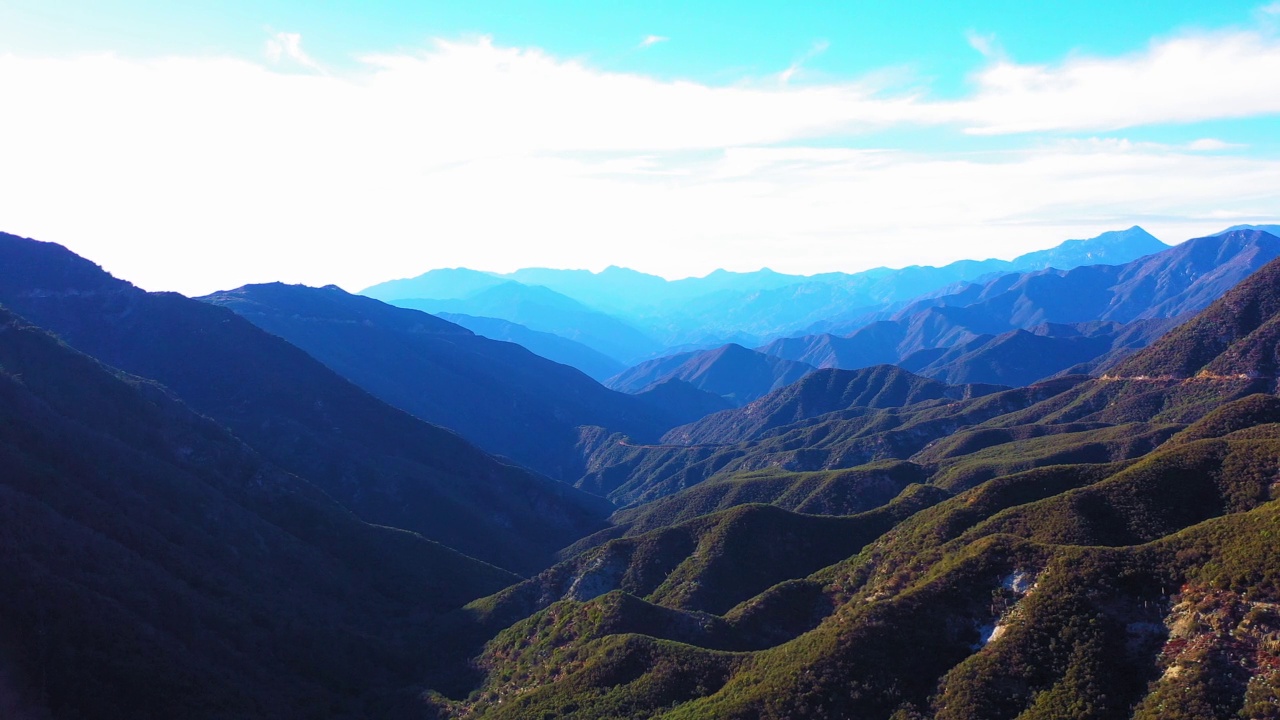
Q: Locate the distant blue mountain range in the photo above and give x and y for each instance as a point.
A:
(630, 316)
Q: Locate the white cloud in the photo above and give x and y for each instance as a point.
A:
(984, 43)
(815, 50)
(198, 174)
(651, 40)
(1211, 145)
(1182, 80)
(288, 46)
(1271, 9)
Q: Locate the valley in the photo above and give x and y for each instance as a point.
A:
(1024, 491)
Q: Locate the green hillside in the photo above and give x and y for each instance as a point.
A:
(1087, 548)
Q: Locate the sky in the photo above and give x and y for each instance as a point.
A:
(202, 146)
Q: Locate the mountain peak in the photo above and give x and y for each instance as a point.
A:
(1113, 247)
(1272, 229)
(441, 284)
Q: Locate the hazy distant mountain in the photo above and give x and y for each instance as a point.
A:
(733, 372)
(443, 284)
(496, 394)
(742, 307)
(1182, 279)
(628, 290)
(539, 308)
(549, 345)
(833, 300)
(1110, 248)
(382, 463)
(1273, 229)
(1172, 283)
(614, 289)
(836, 300)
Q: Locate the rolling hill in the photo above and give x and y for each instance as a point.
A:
(1090, 547)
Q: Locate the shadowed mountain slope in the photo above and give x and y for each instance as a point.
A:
(1235, 336)
(385, 465)
(825, 391)
(1021, 357)
(682, 401)
(539, 308)
(732, 372)
(498, 395)
(160, 568)
(833, 440)
(596, 365)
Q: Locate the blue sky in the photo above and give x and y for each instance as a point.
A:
(201, 146)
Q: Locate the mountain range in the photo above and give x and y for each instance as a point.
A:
(1067, 317)
(596, 365)
(1038, 492)
(733, 372)
(382, 463)
(630, 316)
(159, 567)
(1089, 547)
(544, 310)
(498, 395)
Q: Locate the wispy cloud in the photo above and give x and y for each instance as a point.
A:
(651, 40)
(815, 50)
(1181, 80)
(287, 46)
(1211, 145)
(984, 43)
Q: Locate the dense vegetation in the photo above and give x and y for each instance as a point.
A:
(1089, 548)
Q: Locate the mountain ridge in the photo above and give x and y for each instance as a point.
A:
(1176, 282)
(387, 466)
(730, 371)
(498, 395)
(159, 557)
(743, 307)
